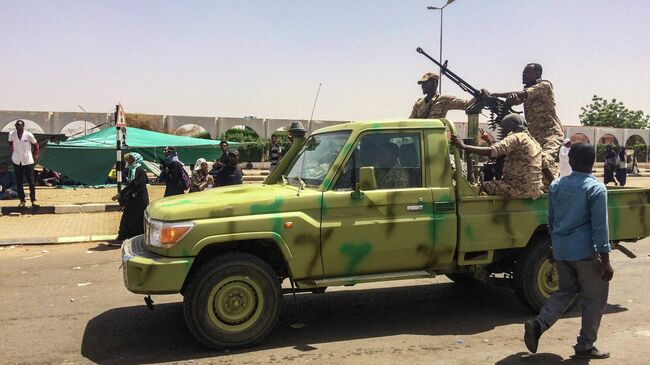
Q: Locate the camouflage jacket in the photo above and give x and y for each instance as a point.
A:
(437, 107)
(539, 109)
(522, 167)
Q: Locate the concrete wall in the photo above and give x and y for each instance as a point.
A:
(40, 118)
(61, 120)
(54, 122)
(256, 124)
(174, 122)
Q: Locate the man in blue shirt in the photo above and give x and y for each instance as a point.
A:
(577, 221)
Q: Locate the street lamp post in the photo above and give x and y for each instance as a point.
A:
(442, 8)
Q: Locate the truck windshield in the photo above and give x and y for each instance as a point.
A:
(316, 157)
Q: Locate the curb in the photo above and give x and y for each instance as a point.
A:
(56, 240)
(63, 209)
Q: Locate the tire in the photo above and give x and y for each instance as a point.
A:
(463, 278)
(232, 301)
(535, 276)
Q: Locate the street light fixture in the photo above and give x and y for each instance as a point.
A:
(442, 8)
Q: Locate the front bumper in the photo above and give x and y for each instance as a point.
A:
(147, 273)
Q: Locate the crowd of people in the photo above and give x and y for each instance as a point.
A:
(134, 197)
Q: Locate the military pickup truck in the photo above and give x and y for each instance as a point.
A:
(353, 203)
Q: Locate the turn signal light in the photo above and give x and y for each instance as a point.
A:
(171, 234)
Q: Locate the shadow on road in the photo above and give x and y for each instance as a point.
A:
(524, 358)
(137, 335)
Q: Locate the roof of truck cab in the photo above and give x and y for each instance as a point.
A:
(385, 124)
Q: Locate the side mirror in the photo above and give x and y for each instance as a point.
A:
(367, 179)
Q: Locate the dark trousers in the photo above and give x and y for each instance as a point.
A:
(583, 279)
(22, 171)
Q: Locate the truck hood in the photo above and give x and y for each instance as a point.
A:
(228, 201)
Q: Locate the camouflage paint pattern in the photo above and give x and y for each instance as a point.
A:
(332, 234)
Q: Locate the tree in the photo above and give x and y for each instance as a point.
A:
(603, 113)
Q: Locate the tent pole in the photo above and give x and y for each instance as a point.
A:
(118, 149)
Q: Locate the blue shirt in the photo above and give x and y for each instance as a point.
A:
(577, 217)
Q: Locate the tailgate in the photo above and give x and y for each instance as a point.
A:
(628, 212)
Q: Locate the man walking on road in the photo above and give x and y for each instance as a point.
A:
(21, 144)
(577, 221)
(539, 109)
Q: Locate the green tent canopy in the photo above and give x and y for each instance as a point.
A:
(89, 159)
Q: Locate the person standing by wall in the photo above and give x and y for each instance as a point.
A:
(173, 173)
(230, 173)
(275, 152)
(621, 169)
(134, 199)
(21, 145)
(565, 168)
(577, 222)
(610, 166)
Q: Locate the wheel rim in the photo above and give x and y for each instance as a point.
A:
(235, 303)
(547, 280)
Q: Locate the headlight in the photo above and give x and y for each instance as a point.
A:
(166, 235)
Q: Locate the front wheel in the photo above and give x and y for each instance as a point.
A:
(233, 300)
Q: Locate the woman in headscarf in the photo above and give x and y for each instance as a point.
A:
(201, 179)
(133, 199)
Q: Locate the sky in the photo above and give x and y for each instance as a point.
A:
(267, 58)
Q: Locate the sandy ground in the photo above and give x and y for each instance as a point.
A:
(67, 304)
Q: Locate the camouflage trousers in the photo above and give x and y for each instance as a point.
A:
(550, 148)
(509, 189)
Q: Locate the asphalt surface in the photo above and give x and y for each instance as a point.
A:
(67, 304)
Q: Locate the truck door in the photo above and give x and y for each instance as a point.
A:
(387, 229)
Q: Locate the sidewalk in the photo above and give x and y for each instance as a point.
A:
(58, 228)
(54, 200)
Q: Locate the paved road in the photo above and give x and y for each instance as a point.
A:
(52, 313)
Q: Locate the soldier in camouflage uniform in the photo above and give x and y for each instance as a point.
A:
(522, 168)
(390, 174)
(434, 106)
(539, 108)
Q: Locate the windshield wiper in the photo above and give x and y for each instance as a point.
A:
(284, 180)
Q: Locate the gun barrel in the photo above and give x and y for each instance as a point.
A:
(450, 75)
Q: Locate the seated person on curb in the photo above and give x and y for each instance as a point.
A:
(522, 168)
(390, 174)
(7, 183)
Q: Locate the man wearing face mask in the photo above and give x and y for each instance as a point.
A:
(432, 105)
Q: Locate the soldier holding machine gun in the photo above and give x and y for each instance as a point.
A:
(539, 109)
(432, 105)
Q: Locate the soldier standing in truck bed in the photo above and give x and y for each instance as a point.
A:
(432, 105)
(543, 122)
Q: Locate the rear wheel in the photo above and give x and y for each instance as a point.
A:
(535, 276)
(233, 300)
